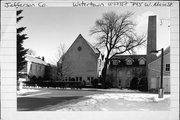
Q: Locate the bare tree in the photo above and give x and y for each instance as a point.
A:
(116, 33)
(61, 50)
(63, 67)
(66, 70)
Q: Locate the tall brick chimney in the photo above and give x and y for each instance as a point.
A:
(151, 44)
(151, 39)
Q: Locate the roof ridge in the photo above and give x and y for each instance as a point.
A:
(94, 48)
(35, 60)
(90, 45)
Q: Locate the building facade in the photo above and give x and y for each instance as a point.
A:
(34, 68)
(153, 66)
(123, 69)
(82, 62)
(154, 69)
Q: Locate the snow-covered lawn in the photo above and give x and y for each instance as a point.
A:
(120, 101)
(130, 97)
(26, 91)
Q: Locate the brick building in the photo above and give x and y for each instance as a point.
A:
(123, 68)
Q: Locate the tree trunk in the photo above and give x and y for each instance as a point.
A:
(104, 72)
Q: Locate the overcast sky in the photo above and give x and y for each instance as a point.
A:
(49, 27)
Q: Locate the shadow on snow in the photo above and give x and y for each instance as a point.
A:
(33, 104)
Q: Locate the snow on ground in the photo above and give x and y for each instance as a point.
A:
(130, 97)
(95, 100)
(120, 101)
(25, 91)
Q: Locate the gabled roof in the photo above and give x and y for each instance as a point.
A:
(33, 59)
(129, 58)
(166, 51)
(142, 58)
(94, 50)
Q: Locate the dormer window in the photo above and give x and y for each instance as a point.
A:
(129, 61)
(142, 61)
(115, 62)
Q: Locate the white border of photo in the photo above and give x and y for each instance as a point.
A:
(8, 71)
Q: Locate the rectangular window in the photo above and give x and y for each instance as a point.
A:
(76, 78)
(167, 67)
(80, 78)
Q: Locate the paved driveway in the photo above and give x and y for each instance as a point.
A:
(48, 97)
